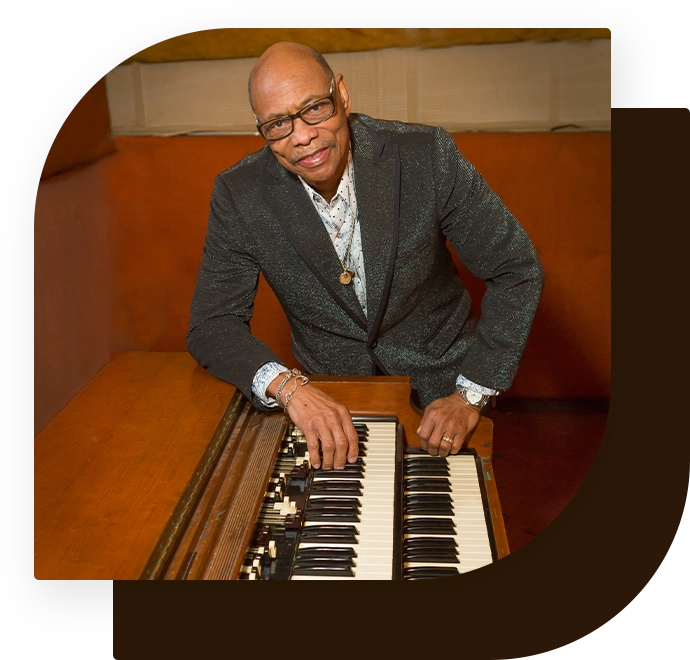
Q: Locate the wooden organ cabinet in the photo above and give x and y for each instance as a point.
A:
(157, 470)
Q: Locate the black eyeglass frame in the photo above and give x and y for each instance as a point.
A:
(299, 114)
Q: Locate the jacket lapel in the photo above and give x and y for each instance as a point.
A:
(377, 187)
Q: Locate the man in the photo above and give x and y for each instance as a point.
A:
(347, 217)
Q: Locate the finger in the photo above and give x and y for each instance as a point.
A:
(447, 445)
(457, 443)
(350, 434)
(444, 446)
(435, 442)
(327, 448)
(313, 449)
(425, 430)
(341, 447)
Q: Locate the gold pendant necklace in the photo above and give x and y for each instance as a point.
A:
(347, 274)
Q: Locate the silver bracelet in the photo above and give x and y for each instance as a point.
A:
(299, 379)
(279, 391)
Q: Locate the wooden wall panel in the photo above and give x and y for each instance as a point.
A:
(71, 288)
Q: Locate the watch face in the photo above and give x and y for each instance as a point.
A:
(475, 398)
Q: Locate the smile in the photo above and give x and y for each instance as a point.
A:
(314, 159)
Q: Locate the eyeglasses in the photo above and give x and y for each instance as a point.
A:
(314, 113)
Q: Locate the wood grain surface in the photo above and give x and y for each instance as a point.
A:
(112, 465)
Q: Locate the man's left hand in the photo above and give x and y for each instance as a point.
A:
(449, 418)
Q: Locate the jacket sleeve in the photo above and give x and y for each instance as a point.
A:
(494, 247)
(219, 336)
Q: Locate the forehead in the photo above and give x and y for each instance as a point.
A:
(285, 88)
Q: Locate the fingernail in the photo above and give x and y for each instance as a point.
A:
(316, 466)
(418, 430)
(352, 460)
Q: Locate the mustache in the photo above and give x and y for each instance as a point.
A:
(297, 156)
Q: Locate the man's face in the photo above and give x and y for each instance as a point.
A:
(316, 153)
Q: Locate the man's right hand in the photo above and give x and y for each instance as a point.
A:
(324, 420)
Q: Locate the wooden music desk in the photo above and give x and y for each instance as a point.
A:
(111, 467)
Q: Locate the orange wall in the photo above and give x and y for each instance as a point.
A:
(71, 258)
(72, 293)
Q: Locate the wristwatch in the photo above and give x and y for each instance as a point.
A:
(473, 397)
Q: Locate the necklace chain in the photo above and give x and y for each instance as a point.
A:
(346, 275)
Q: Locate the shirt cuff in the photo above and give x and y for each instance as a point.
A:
(465, 382)
(263, 378)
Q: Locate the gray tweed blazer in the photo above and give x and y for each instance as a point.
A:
(413, 189)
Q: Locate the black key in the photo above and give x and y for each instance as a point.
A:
(426, 460)
(429, 485)
(356, 465)
(336, 501)
(426, 572)
(431, 555)
(429, 509)
(436, 498)
(436, 557)
(357, 472)
(318, 562)
(430, 529)
(430, 541)
(439, 471)
(335, 507)
(340, 539)
(332, 515)
(342, 534)
(325, 571)
(439, 531)
(338, 488)
(325, 551)
(336, 483)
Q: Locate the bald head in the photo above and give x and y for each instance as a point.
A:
(278, 60)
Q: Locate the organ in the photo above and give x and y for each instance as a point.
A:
(237, 499)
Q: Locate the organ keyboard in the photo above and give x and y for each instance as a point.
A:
(365, 522)
(257, 510)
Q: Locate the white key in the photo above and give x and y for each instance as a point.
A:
(374, 548)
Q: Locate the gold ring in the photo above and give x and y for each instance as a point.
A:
(449, 440)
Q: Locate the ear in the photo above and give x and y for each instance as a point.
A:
(343, 93)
